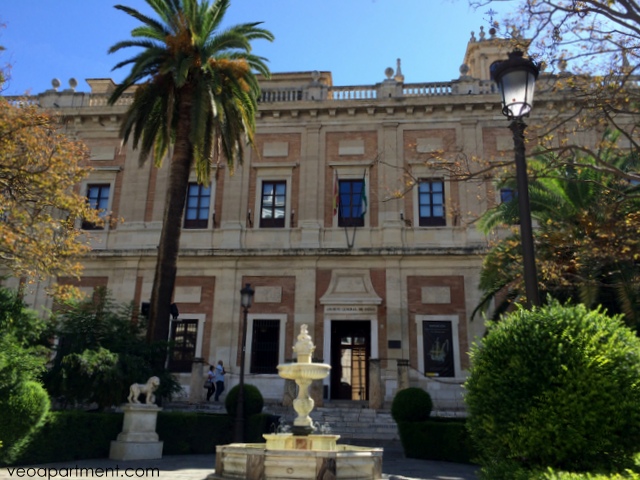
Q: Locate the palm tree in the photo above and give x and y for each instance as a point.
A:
(586, 240)
(196, 90)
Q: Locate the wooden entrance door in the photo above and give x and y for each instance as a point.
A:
(350, 352)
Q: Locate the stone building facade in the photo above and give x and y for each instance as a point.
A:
(386, 279)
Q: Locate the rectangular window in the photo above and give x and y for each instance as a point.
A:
(506, 195)
(438, 349)
(196, 214)
(265, 346)
(351, 203)
(431, 203)
(273, 205)
(98, 198)
(184, 337)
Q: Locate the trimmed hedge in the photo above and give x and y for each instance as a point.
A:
(412, 404)
(253, 401)
(182, 433)
(188, 433)
(71, 435)
(442, 439)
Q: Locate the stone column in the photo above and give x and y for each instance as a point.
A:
(312, 184)
(196, 384)
(376, 390)
(403, 374)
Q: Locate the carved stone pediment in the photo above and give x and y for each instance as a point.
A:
(350, 287)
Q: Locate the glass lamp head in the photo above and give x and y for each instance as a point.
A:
(246, 296)
(516, 80)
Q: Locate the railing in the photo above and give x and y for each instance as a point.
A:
(358, 92)
(301, 93)
(283, 94)
(487, 87)
(101, 100)
(22, 101)
(427, 89)
(294, 94)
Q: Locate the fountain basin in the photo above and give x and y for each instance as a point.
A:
(288, 441)
(299, 455)
(253, 461)
(304, 371)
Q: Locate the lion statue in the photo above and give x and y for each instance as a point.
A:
(136, 389)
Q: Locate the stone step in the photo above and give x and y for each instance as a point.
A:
(354, 423)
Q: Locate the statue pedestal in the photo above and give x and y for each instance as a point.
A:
(138, 440)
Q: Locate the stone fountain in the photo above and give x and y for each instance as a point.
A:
(301, 454)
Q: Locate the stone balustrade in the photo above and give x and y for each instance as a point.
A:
(101, 100)
(312, 91)
(294, 94)
(362, 92)
(427, 89)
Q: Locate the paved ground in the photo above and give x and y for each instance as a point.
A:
(197, 467)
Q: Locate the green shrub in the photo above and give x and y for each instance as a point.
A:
(22, 411)
(101, 352)
(437, 439)
(411, 405)
(253, 401)
(555, 387)
(259, 424)
(182, 433)
(93, 433)
(587, 476)
(23, 356)
(190, 433)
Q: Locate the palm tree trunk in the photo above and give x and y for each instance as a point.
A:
(169, 246)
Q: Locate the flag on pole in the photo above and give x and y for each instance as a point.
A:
(336, 194)
(363, 197)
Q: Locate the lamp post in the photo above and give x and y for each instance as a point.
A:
(246, 298)
(516, 79)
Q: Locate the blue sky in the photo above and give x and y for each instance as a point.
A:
(354, 39)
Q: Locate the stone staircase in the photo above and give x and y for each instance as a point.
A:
(351, 420)
(355, 423)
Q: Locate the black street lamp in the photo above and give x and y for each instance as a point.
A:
(246, 298)
(516, 79)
